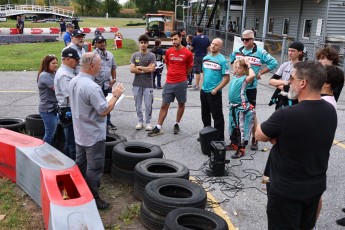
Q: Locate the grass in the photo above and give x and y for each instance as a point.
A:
(28, 56)
(87, 22)
(132, 211)
(11, 206)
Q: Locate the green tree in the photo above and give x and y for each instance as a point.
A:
(112, 7)
(152, 6)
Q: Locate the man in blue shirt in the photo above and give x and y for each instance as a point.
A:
(199, 47)
(68, 35)
(216, 76)
(258, 57)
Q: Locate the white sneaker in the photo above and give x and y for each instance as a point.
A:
(148, 127)
(139, 126)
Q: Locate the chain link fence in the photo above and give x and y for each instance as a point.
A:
(276, 46)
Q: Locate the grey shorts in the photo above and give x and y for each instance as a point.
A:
(178, 90)
(197, 68)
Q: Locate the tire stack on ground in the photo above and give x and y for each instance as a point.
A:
(194, 218)
(14, 124)
(164, 195)
(111, 141)
(127, 154)
(34, 126)
(152, 169)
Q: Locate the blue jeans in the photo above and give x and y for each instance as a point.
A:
(158, 74)
(50, 124)
(69, 148)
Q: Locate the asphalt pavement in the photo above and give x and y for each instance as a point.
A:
(239, 194)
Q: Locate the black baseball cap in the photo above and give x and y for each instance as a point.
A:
(77, 33)
(99, 38)
(71, 53)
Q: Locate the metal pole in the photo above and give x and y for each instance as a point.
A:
(244, 9)
(264, 29)
(227, 17)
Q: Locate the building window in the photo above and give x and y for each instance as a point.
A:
(256, 24)
(270, 25)
(307, 28)
(286, 25)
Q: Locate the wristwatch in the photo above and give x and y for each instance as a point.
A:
(142, 72)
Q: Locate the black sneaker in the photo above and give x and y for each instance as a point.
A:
(254, 145)
(111, 126)
(176, 129)
(341, 221)
(240, 152)
(154, 132)
(101, 204)
(198, 139)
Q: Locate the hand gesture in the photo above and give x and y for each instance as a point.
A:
(119, 89)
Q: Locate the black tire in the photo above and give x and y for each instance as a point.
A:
(111, 141)
(138, 191)
(14, 124)
(34, 125)
(149, 219)
(121, 175)
(127, 154)
(152, 169)
(166, 194)
(194, 218)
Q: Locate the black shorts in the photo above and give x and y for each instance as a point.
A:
(251, 96)
(197, 68)
(285, 213)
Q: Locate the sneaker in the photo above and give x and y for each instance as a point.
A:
(195, 88)
(341, 221)
(159, 87)
(139, 126)
(111, 126)
(101, 204)
(231, 147)
(239, 153)
(176, 129)
(148, 127)
(343, 210)
(155, 131)
(198, 139)
(190, 86)
(254, 144)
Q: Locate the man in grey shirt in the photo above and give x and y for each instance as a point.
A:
(143, 63)
(70, 60)
(77, 43)
(107, 75)
(89, 111)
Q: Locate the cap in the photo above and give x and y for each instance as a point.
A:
(69, 25)
(71, 53)
(99, 38)
(77, 33)
(297, 45)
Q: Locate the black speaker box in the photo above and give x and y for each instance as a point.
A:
(207, 135)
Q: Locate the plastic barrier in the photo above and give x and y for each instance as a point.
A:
(55, 30)
(29, 162)
(9, 140)
(87, 47)
(118, 42)
(67, 202)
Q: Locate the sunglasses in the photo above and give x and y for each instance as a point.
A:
(246, 39)
(51, 55)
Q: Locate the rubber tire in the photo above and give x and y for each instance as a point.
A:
(166, 194)
(34, 125)
(111, 141)
(138, 191)
(121, 175)
(14, 124)
(149, 219)
(152, 169)
(194, 218)
(127, 154)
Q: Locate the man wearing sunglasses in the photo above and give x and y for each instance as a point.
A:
(302, 136)
(258, 57)
(107, 75)
(77, 43)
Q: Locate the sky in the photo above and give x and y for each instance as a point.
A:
(122, 1)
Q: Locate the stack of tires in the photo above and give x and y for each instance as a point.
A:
(34, 126)
(14, 124)
(111, 141)
(164, 195)
(194, 218)
(127, 154)
(152, 169)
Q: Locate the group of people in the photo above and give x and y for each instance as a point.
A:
(305, 97)
(74, 95)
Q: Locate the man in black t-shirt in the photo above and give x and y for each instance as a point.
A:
(302, 137)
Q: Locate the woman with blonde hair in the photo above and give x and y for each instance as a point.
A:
(48, 101)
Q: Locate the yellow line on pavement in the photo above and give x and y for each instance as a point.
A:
(217, 209)
(335, 142)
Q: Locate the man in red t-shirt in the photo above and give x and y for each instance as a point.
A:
(179, 62)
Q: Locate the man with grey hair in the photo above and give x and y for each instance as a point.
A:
(89, 111)
(70, 60)
(258, 57)
(77, 43)
(301, 149)
(216, 76)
